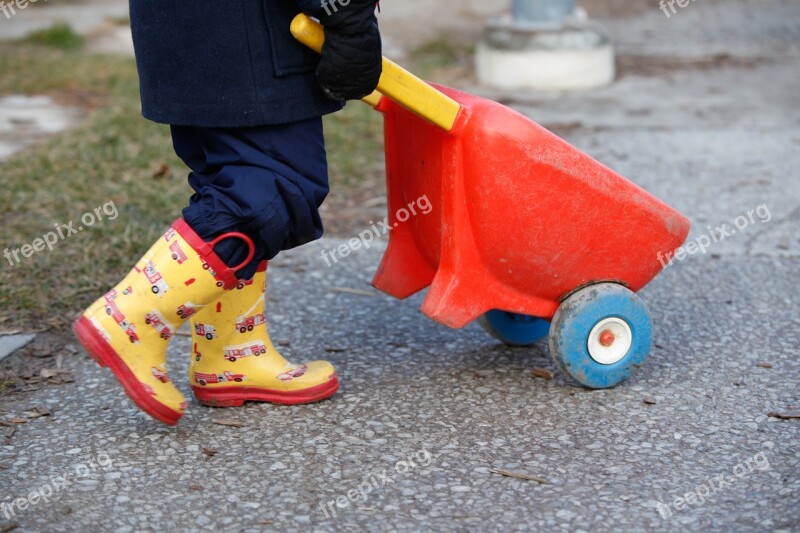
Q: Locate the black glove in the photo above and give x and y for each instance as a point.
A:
(352, 57)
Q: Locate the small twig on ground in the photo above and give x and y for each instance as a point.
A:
(227, 422)
(518, 475)
(357, 292)
(331, 349)
(788, 415)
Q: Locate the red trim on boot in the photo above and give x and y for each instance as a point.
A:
(102, 352)
(237, 396)
(225, 274)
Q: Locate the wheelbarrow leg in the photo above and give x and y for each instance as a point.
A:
(403, 272)
(463, 288)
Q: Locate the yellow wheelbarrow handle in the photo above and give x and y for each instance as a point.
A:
(396, 83)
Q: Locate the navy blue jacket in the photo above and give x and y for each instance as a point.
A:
(225, 63)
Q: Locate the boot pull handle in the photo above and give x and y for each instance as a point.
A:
(247, 240)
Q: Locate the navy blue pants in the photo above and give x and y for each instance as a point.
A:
(267, 182)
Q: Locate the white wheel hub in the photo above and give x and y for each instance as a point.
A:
(610, 341)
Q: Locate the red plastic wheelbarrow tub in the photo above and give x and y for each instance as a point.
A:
(520, 219)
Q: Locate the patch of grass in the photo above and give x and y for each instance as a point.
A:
(110, 157)
(120, 21)
(59, 35)
(354, 138)
(113, 155)
(6, 383)
(69, 76)
(437, 54)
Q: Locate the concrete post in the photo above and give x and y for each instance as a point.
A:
(542, 12)
(544, 45)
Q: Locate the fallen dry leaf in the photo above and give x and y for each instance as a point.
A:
(54, 376)
(37, 412)
(542, 373)
(196, 487)
(764, 365)
(46, 349)
(162, 172)
(211, 452)
(518, 475)
(649, 400)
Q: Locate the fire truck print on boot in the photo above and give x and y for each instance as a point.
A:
(234, 360)
(129, 328)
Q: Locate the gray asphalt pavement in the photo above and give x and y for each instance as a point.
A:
(430, 421)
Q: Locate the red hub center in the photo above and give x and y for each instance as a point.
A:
(607, 338)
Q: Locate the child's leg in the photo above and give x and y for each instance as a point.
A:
(267, 182)
(262, 184)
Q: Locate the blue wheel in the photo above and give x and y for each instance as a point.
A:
(601, 335)
(514, 329)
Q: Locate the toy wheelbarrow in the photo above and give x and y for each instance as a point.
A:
(528, 235)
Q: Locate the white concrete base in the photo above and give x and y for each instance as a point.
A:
(545, 60)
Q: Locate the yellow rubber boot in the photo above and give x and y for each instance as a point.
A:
(234, 360)
(129, 328)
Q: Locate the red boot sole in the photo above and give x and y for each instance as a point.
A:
(237, 396)
(105, 356)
